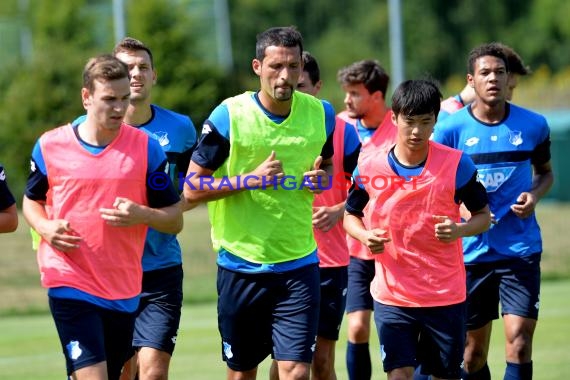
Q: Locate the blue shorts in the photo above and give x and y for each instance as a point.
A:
(514, 282)
(431, 336)
(90, 334)
(158, 315)
(268, 313)
(360, 276)
(334, 282)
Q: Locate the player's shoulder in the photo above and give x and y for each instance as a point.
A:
(454, 121)
(526, 114)
(164, 114)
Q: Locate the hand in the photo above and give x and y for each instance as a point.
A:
(324, 218)
(526, 203)
(268, 171)
(375, 240)
(316, 180)
(125, 213)
(445, 229)
(59, 234)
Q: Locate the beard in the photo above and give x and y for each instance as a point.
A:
(283, 94)
(354, 114)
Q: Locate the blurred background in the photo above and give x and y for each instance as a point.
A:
(203, 51)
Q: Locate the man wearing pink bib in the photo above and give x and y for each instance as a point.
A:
(413, 228)
(91, 195)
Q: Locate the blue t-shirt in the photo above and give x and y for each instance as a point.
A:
(213, 149)
(352, 147)
(504, 154)
(364, 133)
(443, 114)
(176, 135)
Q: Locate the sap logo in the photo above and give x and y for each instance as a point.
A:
(493, 178)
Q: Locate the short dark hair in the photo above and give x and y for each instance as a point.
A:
(286, 36)
(368, 72)
(311, 66)
(105, 67)
(493, 49)
(514, 61)
(132, 44)
(416, 97)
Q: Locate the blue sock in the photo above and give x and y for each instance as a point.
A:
(521, 371)
(418, 374)
(482, 374)
(358, 362)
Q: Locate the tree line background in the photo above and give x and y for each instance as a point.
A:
(40, 85)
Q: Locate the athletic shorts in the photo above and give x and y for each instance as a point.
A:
(268, 313)
(158, 315)
(431, 336)
(334, 282)
(515, 283)
(360, 275)
(90, 334)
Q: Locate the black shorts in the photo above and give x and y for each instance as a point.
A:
(90, 334)
(360, 276)
(268, 313)
(334, 283)
(515, 283)
(431, 336)
(158, 315)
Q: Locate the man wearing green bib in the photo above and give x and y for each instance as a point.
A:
(259, 161)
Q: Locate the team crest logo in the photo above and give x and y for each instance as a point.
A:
(206, 129)
(515, 138)
(73, 349)
(493, 178)
(228, 350)
(162, 138)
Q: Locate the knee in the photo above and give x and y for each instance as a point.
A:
(323, 367)
(153, 372)
(519, 348)
(359, 330)
(474, 358)
(294, 370)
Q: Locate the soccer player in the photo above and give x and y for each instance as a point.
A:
(261, 157)
(412, 191)
(8, 211)
(158, 315)
(90, 199)
(365, 84)
(510, 146)
(332, 249)
(517, 68)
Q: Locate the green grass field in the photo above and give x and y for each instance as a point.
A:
(29, 348)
